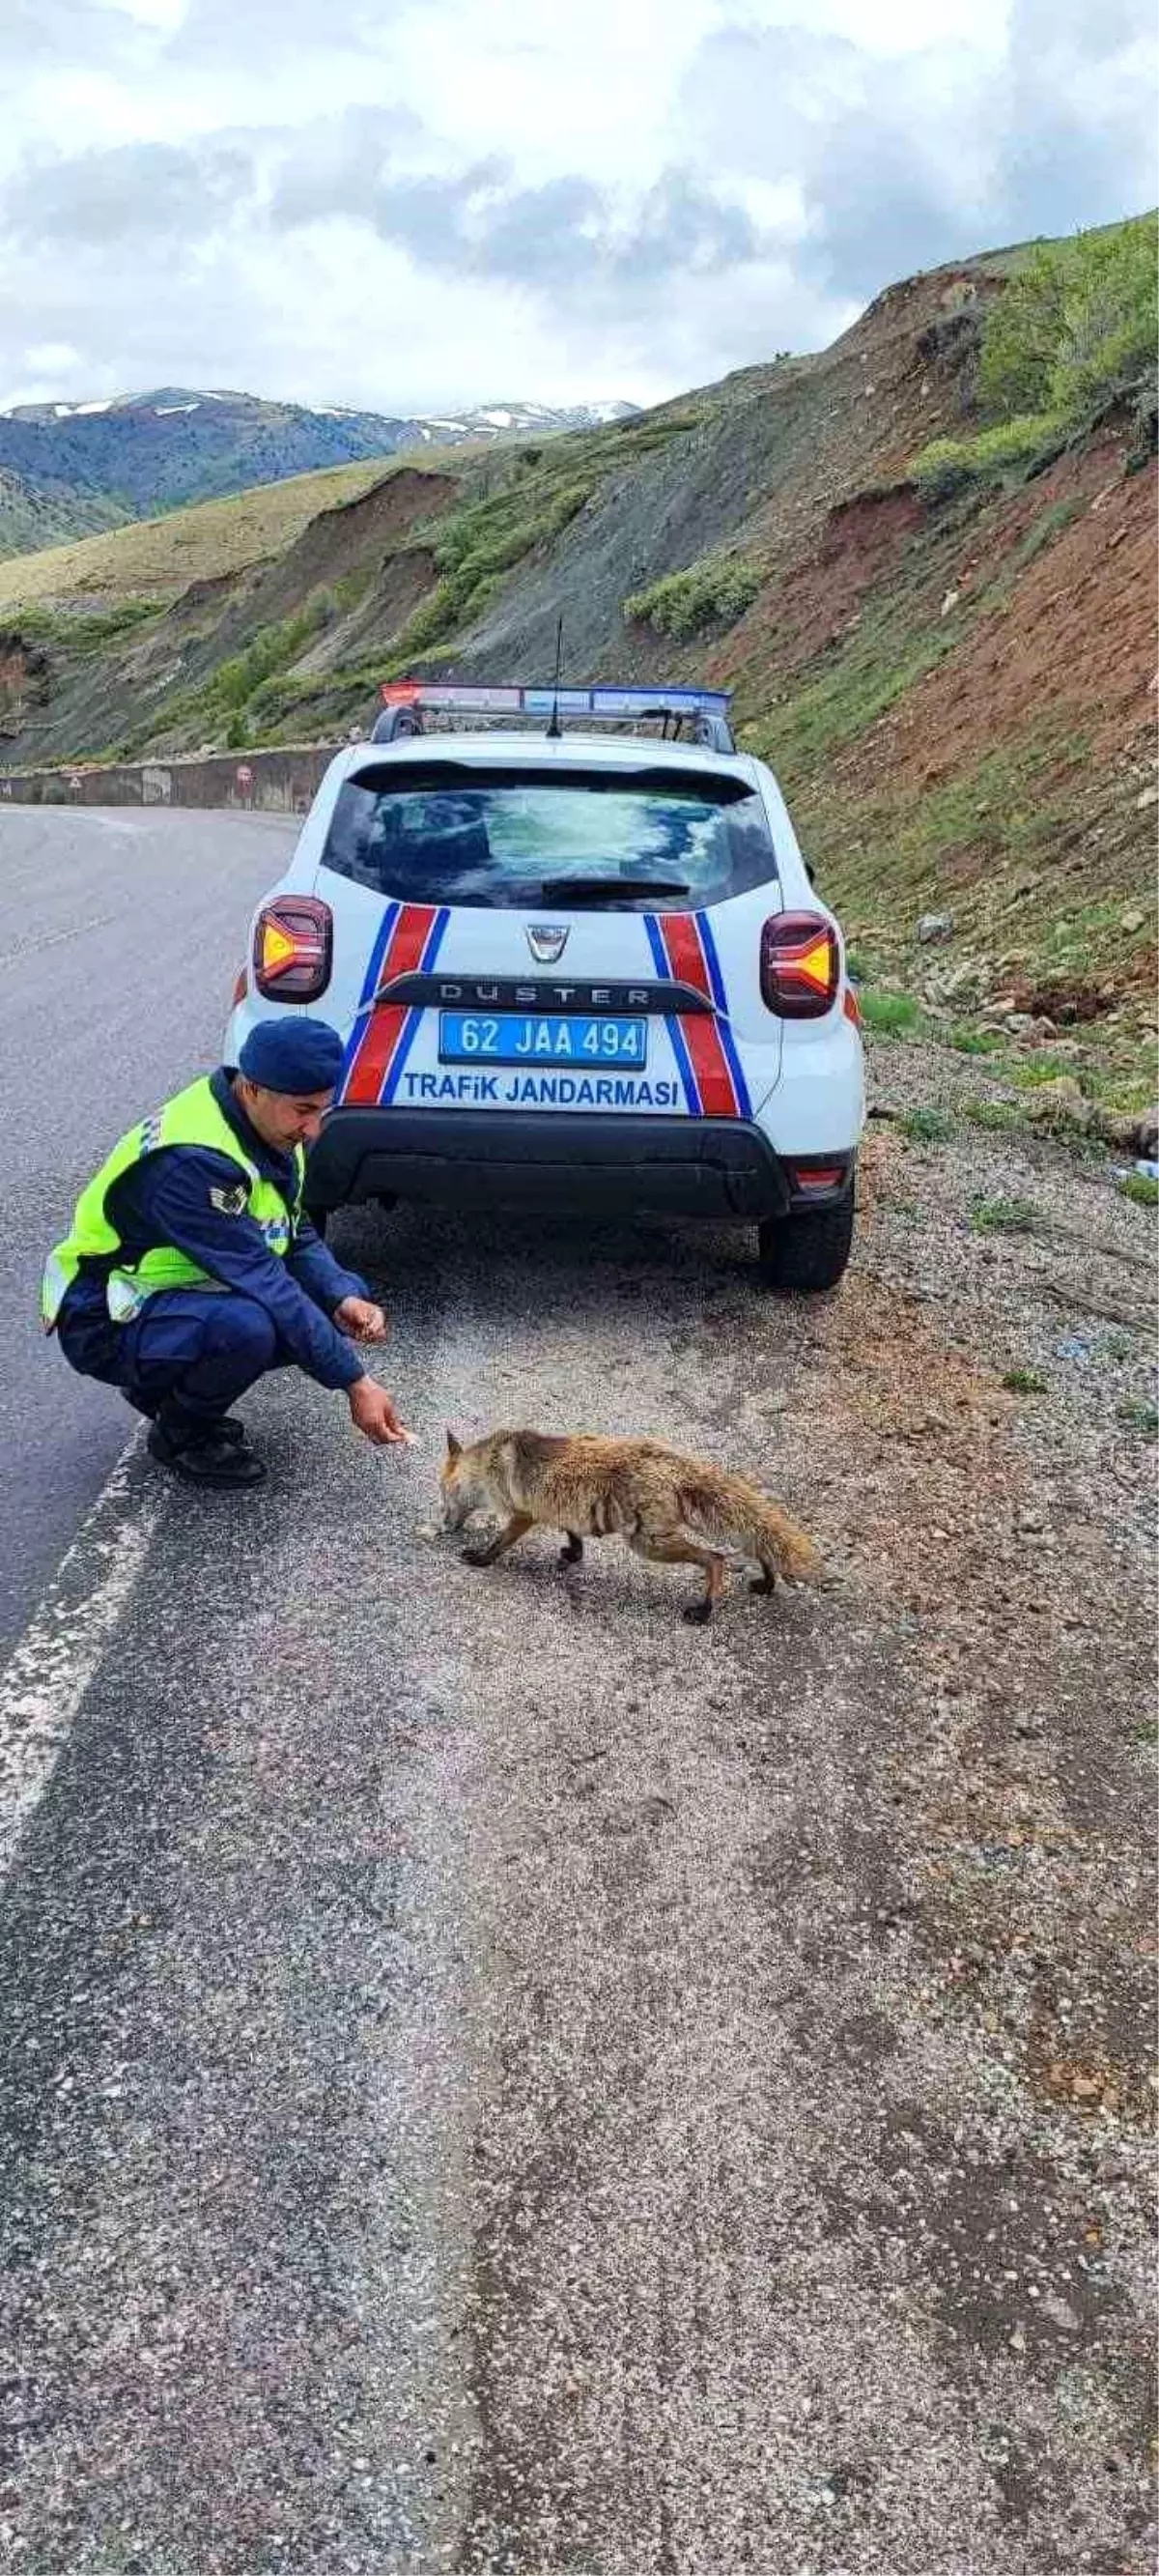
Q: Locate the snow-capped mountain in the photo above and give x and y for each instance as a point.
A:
(129, 456)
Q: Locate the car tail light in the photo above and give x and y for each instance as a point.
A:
(800, 965)
(293, 940)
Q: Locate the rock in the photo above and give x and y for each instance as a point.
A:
(1060, 1102)
(950, 601)
(1019, 1024)
(1146, 1135)
(1061, 2313)
(949, 981)
(1118, 1128)
(1132, 919)
(935, 925)
(1150, 796)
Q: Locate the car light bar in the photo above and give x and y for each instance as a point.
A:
(406, 702)
(438, 694)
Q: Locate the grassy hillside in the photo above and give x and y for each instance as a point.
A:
(921, 560)
(213, 538)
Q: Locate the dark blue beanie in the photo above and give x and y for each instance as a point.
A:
(291, 1054)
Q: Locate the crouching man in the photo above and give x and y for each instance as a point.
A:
(191, 1267)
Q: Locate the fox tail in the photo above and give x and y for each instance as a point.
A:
(740, 1513)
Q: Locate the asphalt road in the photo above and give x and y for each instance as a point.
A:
(493, 2080)
(123, 932)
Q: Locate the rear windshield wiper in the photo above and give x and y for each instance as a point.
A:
(598, 889)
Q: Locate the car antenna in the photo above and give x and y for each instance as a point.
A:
(555, 729)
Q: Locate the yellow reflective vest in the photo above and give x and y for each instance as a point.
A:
(192, 1117)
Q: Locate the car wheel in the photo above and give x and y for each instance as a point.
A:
(804, 1253)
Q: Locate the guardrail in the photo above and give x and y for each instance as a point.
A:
(272, 782)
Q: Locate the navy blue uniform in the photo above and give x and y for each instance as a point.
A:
(196, 1347)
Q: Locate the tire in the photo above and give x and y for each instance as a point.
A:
(802, 1254)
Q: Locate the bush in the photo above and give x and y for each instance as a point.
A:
(891, 1015)
(1139, 1415)
(715, 591)
(998, 1115)
(926, 1126)
(1076, 326)
(1021, 338)
(1003, 1216)
(947, 465)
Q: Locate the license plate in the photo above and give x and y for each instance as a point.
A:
(474, 1037)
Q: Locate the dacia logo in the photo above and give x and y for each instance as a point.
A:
(547, 941)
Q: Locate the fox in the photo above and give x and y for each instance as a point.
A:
(660, 1502)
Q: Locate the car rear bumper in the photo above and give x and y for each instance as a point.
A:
(565, 1165)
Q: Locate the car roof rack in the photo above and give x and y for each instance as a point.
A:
(421, 706)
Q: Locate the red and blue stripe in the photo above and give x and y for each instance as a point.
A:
(409, 938)
(684, 951)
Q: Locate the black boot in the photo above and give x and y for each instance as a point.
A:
(204, 1452)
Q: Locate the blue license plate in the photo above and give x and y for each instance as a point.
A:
(503, 1037)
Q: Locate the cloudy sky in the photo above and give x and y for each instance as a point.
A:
(411, 204)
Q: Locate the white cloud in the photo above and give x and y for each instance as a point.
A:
(415, 204)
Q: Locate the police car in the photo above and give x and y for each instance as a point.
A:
(580, 968)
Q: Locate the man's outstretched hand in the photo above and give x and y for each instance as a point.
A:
(372, 1413)
(361, 1321)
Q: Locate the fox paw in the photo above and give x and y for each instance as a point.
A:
(697, 1614)
(764, 1583)
(571, 1553)
(477, 1556)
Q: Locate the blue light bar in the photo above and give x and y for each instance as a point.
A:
(671, 702)
(406, 702)
(471, 699)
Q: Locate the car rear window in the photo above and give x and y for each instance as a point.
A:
(508, 838)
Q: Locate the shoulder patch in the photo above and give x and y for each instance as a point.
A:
(232, 1202)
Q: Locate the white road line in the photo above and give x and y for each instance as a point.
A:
(50, 1670)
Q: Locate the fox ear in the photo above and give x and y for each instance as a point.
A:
(454, 1447)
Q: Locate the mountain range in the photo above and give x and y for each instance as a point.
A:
(69, 468)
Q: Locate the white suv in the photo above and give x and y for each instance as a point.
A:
(578, 970)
